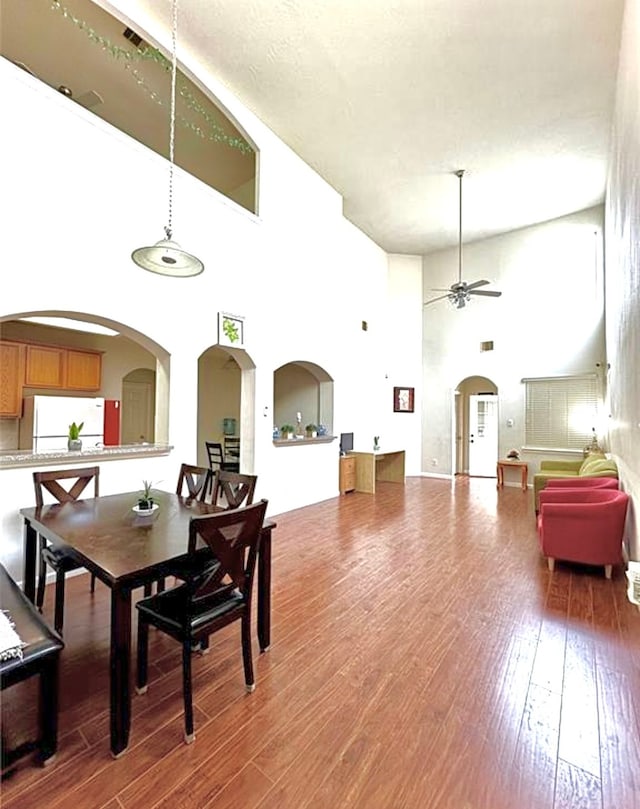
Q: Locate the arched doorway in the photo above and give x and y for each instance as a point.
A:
(138, 407)
(226, 402)
(476, 427)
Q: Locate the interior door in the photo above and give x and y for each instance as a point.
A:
(483, 435)
(137, 413)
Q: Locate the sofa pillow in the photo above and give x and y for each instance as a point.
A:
(601, 467)
(593, 457)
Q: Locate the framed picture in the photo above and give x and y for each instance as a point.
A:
(403, 400)
(230, 330)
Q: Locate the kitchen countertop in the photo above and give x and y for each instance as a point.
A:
(23, 457)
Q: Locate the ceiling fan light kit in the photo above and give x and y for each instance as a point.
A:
(166, 257)
(459, 294)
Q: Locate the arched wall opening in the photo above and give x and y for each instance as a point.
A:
(302, 395)
(126, 351)
(121, 75)
(226, 403)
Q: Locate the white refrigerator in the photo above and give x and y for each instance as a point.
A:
(45, 421)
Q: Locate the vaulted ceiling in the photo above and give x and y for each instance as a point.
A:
(386, 98)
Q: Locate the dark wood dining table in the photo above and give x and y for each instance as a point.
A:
(126, 550)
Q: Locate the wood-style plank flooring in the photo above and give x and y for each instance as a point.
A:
(423, 657)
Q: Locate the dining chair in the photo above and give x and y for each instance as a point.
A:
(215, 594)
(232, 453)
(232, 489)
(197, 480)
(60, 560)
(216, 457)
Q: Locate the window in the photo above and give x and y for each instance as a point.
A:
(561, 412)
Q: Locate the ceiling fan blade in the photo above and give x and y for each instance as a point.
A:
(489, 293)
(440, 298)
(477, 284)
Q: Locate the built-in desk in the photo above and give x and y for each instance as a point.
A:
(374, 466)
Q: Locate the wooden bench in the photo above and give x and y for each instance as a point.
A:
(41, 656)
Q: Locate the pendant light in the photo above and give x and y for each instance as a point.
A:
(166, 257)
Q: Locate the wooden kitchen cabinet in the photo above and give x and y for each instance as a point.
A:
(347, 474)
(11, 378)
(62, 368)
(83, 371)
(45, 366)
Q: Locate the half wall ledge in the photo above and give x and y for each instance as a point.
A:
(296, 442)
(18, 458)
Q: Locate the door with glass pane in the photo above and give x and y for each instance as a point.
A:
(483, 435)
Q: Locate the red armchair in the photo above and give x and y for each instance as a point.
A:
(582, 525)
(582, 483)
(575, 482)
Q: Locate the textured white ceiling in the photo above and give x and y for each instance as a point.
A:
(387, 98)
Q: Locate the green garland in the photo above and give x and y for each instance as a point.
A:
(214, 132)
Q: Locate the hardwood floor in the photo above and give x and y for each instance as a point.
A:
(423, 657)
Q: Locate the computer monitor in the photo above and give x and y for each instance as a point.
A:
(346, 443)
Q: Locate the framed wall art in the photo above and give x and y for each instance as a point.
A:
(403, 400)
(230, 330)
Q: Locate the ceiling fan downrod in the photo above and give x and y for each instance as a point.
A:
(460, 175)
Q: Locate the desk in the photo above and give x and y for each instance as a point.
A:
(373, 466)
(524, 472)
(126, 551)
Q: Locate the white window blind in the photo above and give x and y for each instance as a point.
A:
(561, 412)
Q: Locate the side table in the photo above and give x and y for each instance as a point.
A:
(524, 472)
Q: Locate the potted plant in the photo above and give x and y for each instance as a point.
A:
(287, 431)
(74, 443)
(145, 498)
(311, 430)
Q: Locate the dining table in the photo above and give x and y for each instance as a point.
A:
(127, 550)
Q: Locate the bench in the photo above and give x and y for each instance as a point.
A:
(41, 656)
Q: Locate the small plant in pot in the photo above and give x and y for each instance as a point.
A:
(287, 431)
(311, 430)
(74, 443)
(145, 498)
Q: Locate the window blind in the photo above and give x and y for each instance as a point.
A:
(561, 412)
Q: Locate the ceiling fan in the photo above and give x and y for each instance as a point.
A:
(460, 293)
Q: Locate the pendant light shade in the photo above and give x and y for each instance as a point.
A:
(166, 257)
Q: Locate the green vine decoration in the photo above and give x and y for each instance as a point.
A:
(147, 53)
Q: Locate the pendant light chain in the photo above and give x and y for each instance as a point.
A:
(166, 257)
(172, 125)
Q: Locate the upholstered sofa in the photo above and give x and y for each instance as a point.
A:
(595, 465)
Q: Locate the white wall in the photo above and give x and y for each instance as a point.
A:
(623, 272)
(403, 359)
(549, 321)
(84, 195)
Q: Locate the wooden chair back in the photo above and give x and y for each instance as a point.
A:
(215, 455)
(233, 537)
(197, 480)
(233, 489)
(79, 478)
